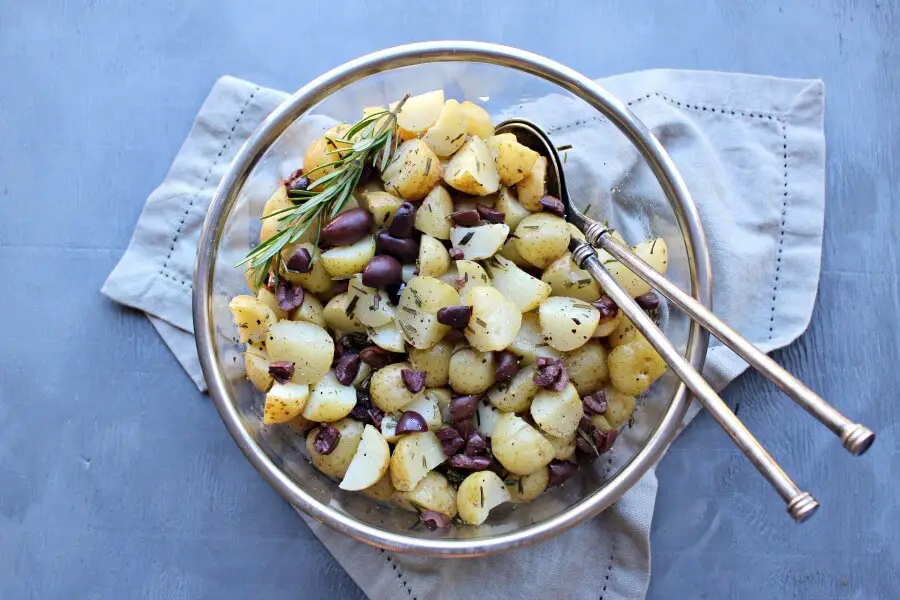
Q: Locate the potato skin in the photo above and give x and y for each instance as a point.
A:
(471, 371)
(518, 446)
(533, 186)
(587, 367)
(633, 367)
(619, 408)
(388, 391)
(528, 487)
(435, 361)
(542, 238)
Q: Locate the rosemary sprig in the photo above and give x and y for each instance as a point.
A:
(367, 140)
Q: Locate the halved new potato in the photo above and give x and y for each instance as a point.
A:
(308, 346)
(557, 413)
(482, 241)
(434, 361)
(284, 401)
(371, 306)
(418, 113)
(508, 204)
(329, 400)
(383, 205)
(520, 288)
(469, 275)
(253, 319)
(267, 297)
(516, 394)
(427, 407)
(388, 336)
(471, 371)
(434, 260)
(340, 315)
(433, 492)
(318, 280)
(472, 169)
(635, 366)
(514, 161)
(256, 365)
(319, 158)
(344, 261)
(567, 323)
(542, 238)
(478, 121)
(518, 446)
(587, 367)
(433, 215)
(478, 494)
(369, 463)
(510, 251)
(654, 252)
(417, 311)
(528, 487)
(388, 391)
(625, 332)
(529, 342)
(335, 464)
(414, 456)
(608, 327)
(563, 447)
(495, 320)
(382, 490)
(276, 203)
(566, 279)
(413, 171)
(310, 311)
(619, 408)
(448, 133)
(533, 186)
(337, 135)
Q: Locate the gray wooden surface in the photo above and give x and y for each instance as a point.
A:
(117, 479)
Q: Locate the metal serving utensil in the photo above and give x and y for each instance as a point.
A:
(856, 438)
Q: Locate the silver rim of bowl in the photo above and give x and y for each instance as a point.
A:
(402, 56)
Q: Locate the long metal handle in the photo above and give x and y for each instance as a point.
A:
(855, 437)
(800, 505)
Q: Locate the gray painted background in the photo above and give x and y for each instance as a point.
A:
(117, 479)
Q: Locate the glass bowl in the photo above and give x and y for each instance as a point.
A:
(508, 82)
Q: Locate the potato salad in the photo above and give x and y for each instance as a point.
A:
(425, 326)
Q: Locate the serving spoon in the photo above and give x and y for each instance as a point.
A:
(856, 438)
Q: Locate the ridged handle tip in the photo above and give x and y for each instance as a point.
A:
(803, 507)
(858, 439)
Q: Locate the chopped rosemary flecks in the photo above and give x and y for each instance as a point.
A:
(368, 141)
(416, 298)
(351, 306)
(481, 491)
(653, 245)
(564, 148)
(411, 311)
(466, 238)
(481, 322)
